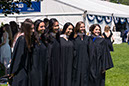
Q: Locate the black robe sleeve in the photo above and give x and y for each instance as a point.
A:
(17, 55)
(107, 60)
(19, 64)
(100, 60)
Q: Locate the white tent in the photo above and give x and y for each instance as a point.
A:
(72, 11)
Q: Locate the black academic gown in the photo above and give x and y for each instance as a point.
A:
(38, 65)
(81, 62)
(100, 60)
(53, 56)
(66, 62)
(19, 63)
(108, 40)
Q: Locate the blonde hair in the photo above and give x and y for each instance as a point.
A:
(107, 28)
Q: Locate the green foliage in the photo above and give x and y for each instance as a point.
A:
(119, 75)
(126, 2)
(2, 24)
(9, 7)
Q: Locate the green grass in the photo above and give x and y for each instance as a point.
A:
(119, 74)
(4, 85)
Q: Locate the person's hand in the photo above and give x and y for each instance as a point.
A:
(113, 41)
(103, 71)
(11, 76)
(10, 61)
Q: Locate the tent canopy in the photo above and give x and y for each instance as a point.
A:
(103, 8)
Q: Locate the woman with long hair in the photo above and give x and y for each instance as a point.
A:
(53, 52)
(100, 58)
(108, 35)
(40, 29)
(38, 67)
(81, 59)
(66, 55)
(21, 56)
(5, 47)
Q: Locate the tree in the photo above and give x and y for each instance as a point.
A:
(9, 6)
(125, 2)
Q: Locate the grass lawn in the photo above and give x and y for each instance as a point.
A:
(119, 75)
(4, 85)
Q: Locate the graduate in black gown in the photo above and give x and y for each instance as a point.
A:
(38, 64)
(100, 58)
(67, 53)
(19, 64)
(108, 35)
(81, 61)
(53, 55)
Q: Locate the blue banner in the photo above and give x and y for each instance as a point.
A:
(128, 20)
(99, 19)
(22, 7)
(90, 17)
(116, 19)
(108, 19)
(122, 20)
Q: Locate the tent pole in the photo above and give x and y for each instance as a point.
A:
(113, 23)
(16, 19)
(84, 19)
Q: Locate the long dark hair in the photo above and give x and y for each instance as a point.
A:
(50, 29)
(43, 35)
(51, 24)
(65, 28)
(8, 29)
(27, 32)
(77, 28)
(92, 27)
(36, 24)
(46, 21)
(1, 33)
(14, 27)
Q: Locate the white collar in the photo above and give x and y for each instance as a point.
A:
(64, 35)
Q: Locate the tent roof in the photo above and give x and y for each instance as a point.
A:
(78, 7)
(91, 6)
(123, 8)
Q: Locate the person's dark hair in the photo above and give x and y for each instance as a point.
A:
(14, 27)
(27, 27)
(36, 24)
(8, 29)
(51, 24)
(92, 27)
(1, 33)
(65, 28)
(46, 21)
(28, 20)
(43, 36)
(77, 27)
(50, 29)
